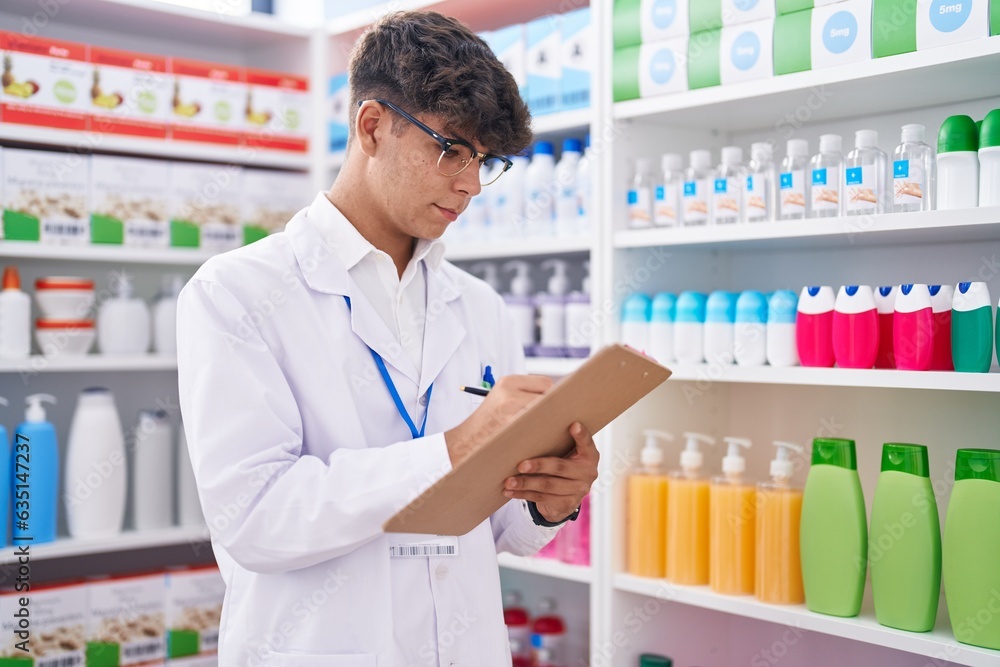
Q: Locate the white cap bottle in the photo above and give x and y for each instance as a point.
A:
(733, 463)
(667, 206)
(696, 196)
(15, 317)
(782, 467)
(123, 323)
(580, 328)
(520, 305)
(914, 172)
(792, 201)
(651, 456)
(552, 311)
(152, 472)
(759, 199)
(727, 193)
(692, 458)
(95, 437)
(826, 181)
(866, 175)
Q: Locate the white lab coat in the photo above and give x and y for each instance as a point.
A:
(300, 456)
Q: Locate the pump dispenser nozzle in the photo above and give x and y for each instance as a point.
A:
(692, 458)
(36, 411)
(733, 462)
(559, 282)
(520, 285)
(782, 466)
(489, 273)
(3, 401)
(651, 456)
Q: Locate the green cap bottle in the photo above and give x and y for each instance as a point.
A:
(989, 131)
(906, 458)
(834, 452)
(977, 464)
(958, 134)
(653, 660)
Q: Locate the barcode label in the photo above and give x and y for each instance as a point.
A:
(65, 230)
(209, 640)
(150, 649)
(74, 659)
(421, 550)
(141, 232)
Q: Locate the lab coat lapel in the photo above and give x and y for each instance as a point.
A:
(370, 328)
(443, 329)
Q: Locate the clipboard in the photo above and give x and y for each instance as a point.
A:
(604, 387)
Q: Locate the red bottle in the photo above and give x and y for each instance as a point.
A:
(855, 327)
(942, 298)
(548, 638)
(913, 328)
(885, 301)
(814, 327)
(518, 625)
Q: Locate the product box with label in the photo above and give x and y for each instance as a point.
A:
(746, 52)
(735, 12)
(45, 82)
(704, 15)
(704, 59)
(644, 21)
(543, 64)
(577, 59)
(129, 201)
(270, 199)
(209, 102)
(897, 28)
(338, 101)
(44, 626)
(194, 610)
(126, 621)
(648, 70)
(45, 197)
(277, 110)
(793, 42)
(509, 48)
(829, 35)
(130, 94)
(205, 206)
(789, 6)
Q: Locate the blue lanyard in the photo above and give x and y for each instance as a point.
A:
(391, 386)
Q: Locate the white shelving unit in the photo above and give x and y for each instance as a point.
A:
(68, 547)
(103, 254)
(528, 247)
(94, 363)
(547, 568)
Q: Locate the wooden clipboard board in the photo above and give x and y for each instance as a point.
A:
(604, 387)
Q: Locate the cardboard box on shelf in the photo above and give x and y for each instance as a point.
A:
(45, 197)
(44, 82)
(644, 21)
(793, 42)
(649, 70)
(543, 64)
(508, 46)
(338, 104)
(902, 26)
(704, 59)
(746, 51)
(205, 206)
(704, 15)
(277, 110)
(126, 620)
(789, 6)
(48, 622)
(129, 201)
(194, 610)
(270, 199)
(841, 33)
(735, 12)
(577, 59)
(208, 102)
(131, 93)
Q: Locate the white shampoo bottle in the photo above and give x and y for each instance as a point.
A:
(96, 468)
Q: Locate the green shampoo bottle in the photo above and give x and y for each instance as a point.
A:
(972, 328)
(972, 549)
(834, 532)
(904, 548)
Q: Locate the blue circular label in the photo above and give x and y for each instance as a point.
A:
(664, 13)
(745, 5)
(662, 66)
(840, 32)
(746, 51)
(950, 15)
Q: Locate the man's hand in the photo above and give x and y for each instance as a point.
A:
(557, 485)
(508, 398)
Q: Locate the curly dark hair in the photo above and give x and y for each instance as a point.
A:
(429, 63)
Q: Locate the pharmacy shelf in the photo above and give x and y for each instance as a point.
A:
(97, 142)
(562, 122)
(551, 366)
(939, 643)
(959, 72)
(164, 21)
(126, 541)
(836, 377)
(103, 253)
(977, 224)
(90, 363)
(546, 567)
(528, 247)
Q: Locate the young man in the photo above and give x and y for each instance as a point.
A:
(319, 383)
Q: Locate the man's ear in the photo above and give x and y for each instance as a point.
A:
(370, 125)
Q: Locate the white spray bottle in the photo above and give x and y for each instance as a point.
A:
(520, 304)
(579, 328)
(552, 311)
(488, 272)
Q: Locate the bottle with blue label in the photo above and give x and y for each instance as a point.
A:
(567, 216)
(667, 209)
(720, 325)
(866, 176)
(636, 314)
(914, 172)
(697, 185)
(727, 192)
(758, 203)
(689, 328)
(782, 308)
(792, 201)
(5, 479)
(35, 469)
(584, 187)
(972, 328)
(540, 206)
(826, 184)
(750, 339)
(661, 327)
(640, 196)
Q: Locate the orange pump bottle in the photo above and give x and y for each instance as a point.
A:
(779, 511)
(647, 510)
(733, 524)
(688, 517)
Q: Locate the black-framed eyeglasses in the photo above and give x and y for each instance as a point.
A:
(457, 154)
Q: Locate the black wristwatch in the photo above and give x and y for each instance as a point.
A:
(540, 520)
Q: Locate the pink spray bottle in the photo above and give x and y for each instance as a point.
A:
(913, 328)
(942, 298)
(885, 303)
(814, 327)
(855, 327)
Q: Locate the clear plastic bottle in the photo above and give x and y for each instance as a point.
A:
(640, 196)
(727, 194)
(667, 209)
(914, 172)
(792, 202)
(759, 199)
(583, 189)
(827, 183)
(866, 174)
(697, 181)
(566, 199)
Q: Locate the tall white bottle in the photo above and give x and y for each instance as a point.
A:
(123, 325)
(188, 506)
(165, 315)
(552, 311)
(867, 176)
(520, 305)
(507, 210)
(540, 191)
(15, 317)
(96, 468)
(580, 328)
(826, 192)
(152, 472)
(567, 215)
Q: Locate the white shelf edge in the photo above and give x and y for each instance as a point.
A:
(562, 121)
(127, 540)
(863, 628)
(88, 363)
(546, 567)
(835, 377)
(103, 253)
(553, 367)
(812, 79)
(529, 247)
(87, 142)
(953, 224)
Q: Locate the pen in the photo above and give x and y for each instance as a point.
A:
(477, 391)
